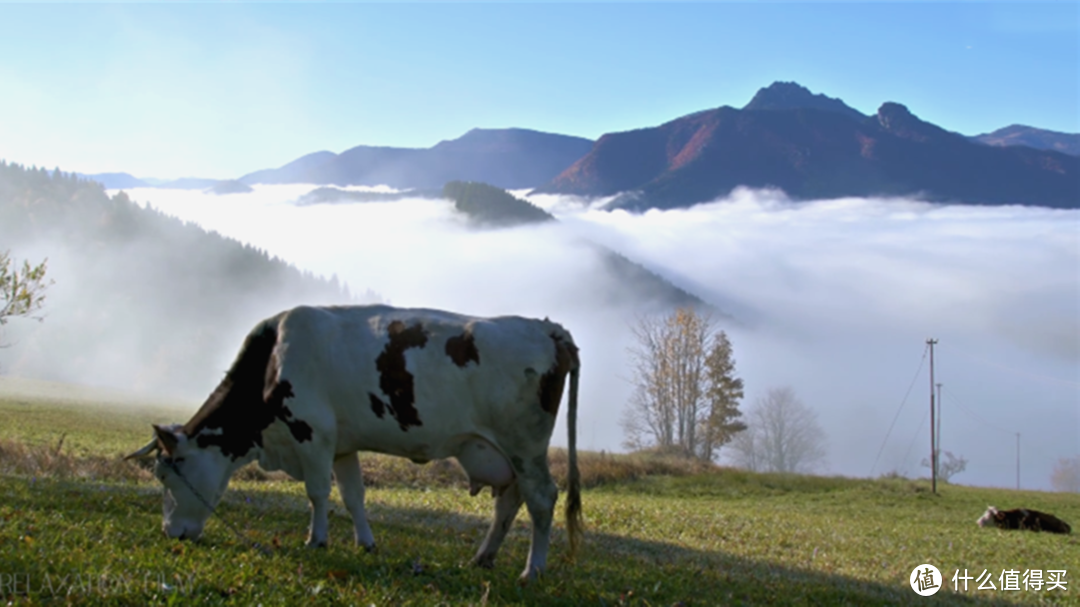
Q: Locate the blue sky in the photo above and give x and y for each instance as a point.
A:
(218, 90)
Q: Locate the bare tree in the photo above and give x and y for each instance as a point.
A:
(1066, 475)
(948, 466)
(685, 398)
(22, 291)
(783, 436)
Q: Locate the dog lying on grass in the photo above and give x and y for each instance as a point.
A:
(1022, 518)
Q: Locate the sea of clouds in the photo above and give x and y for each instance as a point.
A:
(833, 298)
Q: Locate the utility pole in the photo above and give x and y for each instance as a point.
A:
(939, 422)
(933, 441)
(1017, 461)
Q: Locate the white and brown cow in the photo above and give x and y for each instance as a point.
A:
(1023, 518)
(312, 386)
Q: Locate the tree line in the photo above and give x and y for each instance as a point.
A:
(136, 291)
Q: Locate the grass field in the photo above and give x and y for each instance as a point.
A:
(77, 526)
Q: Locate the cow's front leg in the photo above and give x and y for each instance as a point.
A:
(317, 483)
(350, 483)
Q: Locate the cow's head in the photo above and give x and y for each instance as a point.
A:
(990, 517)
(195, 478)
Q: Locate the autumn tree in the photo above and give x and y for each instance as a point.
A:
(686, 394)
(1066, 475)
(783, 435)
(22, 290)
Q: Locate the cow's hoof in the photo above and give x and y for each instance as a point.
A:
(529, 575)
(484, 561)
(371, 549)
(316, 544)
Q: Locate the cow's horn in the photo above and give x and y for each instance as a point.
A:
(150, 447)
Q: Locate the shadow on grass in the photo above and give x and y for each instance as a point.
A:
(422, 557)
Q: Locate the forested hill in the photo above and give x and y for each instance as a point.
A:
(487, 206)
(141, 300)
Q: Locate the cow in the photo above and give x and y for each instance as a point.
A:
(312, 386)
(1022, 518)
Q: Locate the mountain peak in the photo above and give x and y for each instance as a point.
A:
(792, 95)
(898, 120)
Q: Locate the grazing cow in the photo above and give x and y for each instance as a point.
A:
(312, 386)
(1022, 518)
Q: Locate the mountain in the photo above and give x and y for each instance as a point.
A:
(1040, 139)
(507, 158)
(116, 181)
(823, 151)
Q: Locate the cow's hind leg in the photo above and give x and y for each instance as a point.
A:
(506, 508)
(316, 463)
(318, 485)
(350, 483)
(540, 494)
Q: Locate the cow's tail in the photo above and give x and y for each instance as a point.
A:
(574, 524)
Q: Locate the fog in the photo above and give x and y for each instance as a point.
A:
(833, 298)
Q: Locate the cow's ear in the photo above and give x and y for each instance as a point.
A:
(167, 439)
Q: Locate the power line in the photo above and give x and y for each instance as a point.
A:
(956, 402)
(967, 411)
(899, 409)
(915, 438)
(1027, 374)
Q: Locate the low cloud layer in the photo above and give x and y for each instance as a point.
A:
(833, 298)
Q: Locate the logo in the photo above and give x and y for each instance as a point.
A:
(925, 580)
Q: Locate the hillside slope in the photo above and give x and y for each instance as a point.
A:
(141, 300)
(723, 536)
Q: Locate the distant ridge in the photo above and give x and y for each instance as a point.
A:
(116, 181)
(507, 158)
(1040, 139)
(807, 144)
(332, 195)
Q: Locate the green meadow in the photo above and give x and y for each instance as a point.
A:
(79, 526)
